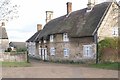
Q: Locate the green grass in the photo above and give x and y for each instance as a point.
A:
(15, 64)
(111, 66)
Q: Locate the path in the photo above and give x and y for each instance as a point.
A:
(52, 70)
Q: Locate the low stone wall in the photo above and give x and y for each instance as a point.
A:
(12, 57)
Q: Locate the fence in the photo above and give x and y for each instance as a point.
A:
(13, 57)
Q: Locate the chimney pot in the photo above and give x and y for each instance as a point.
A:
(69, 7)
(91, 4)
(39, 27)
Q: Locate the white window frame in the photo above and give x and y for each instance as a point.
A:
(51, 38)
(52, 51)
(65, 37)
(115, 31)
(45, 41)
(66, 52)
(87, 51)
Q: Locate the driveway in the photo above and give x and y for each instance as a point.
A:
(52, 70)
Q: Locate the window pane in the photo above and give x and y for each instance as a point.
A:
(51, 38)
(52, 51)
(66, 52)
(87, 50)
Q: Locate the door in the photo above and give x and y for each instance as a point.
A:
(40, 53)
(44, 53)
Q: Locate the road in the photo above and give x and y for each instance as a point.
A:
(52, 70)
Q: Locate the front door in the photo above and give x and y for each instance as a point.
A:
(43, 53)
(40, 53)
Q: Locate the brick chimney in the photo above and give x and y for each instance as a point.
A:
(49, 16)
(69, 7)
(39, 27)
(91, 4)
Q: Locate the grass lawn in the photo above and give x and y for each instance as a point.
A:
(15, 64)
(111, 66)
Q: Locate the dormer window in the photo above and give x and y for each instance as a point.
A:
(45, 41)
(65, 37)
(51, 38)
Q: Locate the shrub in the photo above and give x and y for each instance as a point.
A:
(21, 49)
(108, 48)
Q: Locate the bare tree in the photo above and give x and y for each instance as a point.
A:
(8, 10)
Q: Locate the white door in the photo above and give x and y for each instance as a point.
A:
(44, 53)
(40, 53)
(45, 50)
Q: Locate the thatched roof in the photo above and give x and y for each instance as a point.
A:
(78, 24)
(17, 44)
(34, 37)
(3, 33)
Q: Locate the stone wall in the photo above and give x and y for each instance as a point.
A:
(11, 57)
(110, 20)
(4, 44)
(75, 46)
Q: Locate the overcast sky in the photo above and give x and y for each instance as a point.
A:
(32, 12)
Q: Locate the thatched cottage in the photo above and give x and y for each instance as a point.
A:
(4, 42)
(74, 36)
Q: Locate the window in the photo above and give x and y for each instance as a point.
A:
(115, 31)
(87, 51)
(44, 41)
(52, 51)
(65, 37)
(32, 48)
(66, 52)
(51, 38)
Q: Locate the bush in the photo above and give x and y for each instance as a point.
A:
(108, 48)
(8, 50)
(21, 49)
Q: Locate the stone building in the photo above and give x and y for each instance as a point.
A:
(4, 41)
(74, 36)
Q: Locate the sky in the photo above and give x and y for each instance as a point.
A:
(32, 12)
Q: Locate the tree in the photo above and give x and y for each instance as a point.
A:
(8, 10)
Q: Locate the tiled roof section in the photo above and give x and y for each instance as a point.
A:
(34, 37)
(3, 33)
(78, 24)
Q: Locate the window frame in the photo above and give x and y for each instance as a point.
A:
(65, 37)
(52, 51)
(89, 51)
(66, 52)
(51, 38)
(115, 31)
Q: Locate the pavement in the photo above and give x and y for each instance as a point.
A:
(41, 69)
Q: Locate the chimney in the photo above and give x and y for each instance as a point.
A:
(91, 4)
(3, 24)
(69, 7)
(49, 16)
(39, 27)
